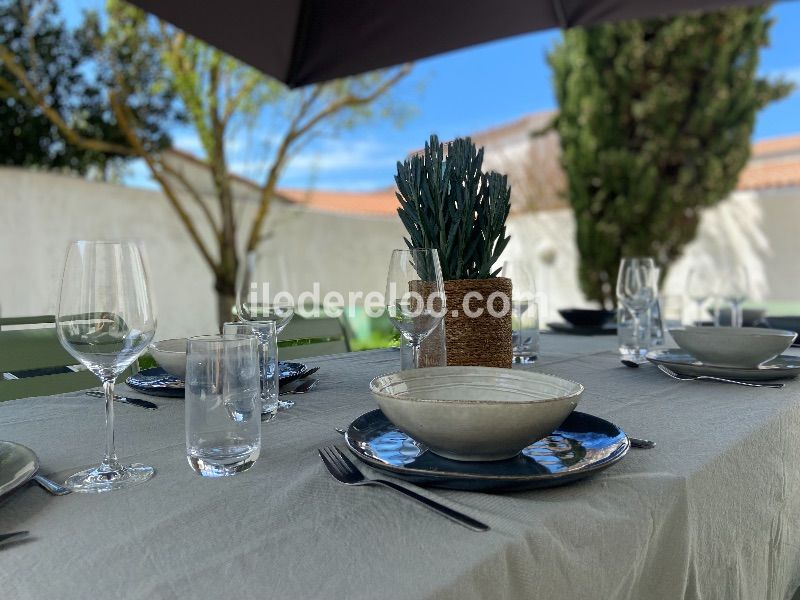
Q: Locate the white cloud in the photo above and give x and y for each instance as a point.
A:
(344, 155)
(790, 74)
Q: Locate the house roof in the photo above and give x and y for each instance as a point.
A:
(381, 202)
(774, 163)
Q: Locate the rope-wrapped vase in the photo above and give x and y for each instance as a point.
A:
(485, 340)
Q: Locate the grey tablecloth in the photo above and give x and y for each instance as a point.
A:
(713, 512)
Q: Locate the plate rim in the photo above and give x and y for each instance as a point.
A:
(655, 355)
(144, 372)
(604, 463)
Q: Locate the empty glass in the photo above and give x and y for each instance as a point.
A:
(637, 289)
(700, 288)
(524, 311)
(734, 286)
(633, 343)
(415, 295)
(223, 404)
(269, 370)
(105, 320)
(261, 289)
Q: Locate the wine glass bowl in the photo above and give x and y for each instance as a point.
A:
(261, 294)
(105, 320)
(414, 298)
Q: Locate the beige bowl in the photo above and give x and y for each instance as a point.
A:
(475, 413)
(743, 347)
(171, 356)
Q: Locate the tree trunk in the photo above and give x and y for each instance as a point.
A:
(226, 299)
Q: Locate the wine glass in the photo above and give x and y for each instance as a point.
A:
(261, 294)
(699, 288)
(734, 286)
(106, 320)
(637, 289)
(524, 311)
(415, 295)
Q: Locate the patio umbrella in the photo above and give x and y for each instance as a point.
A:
(306, 41)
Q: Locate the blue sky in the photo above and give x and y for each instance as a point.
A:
(514, 80)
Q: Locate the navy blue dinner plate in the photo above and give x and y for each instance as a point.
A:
(157, 382)
(582, 446)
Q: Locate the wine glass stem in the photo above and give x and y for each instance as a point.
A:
(110, 460)
(415, 353)
(637, 345)
(736, 314)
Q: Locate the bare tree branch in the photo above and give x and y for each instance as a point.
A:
(192, 191)
(129, 133)
(298, 129)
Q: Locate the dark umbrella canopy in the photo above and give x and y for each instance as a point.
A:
(306, 41)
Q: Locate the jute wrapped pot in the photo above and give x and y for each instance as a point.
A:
(485, 340)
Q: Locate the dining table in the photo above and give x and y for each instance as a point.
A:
(712, 512)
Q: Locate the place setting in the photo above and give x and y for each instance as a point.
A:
(471, 428)
(724, 351)
(168, 378)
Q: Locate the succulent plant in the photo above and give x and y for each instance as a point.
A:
(451, 204)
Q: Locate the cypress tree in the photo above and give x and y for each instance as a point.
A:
(655, 122)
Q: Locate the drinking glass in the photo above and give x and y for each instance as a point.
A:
(261, 290)
(223, 404)
(734, 286)
(637, 288)
(415, 295)
(699, 288)
(524, 311)
(268, 368)
(105, 319)
(633, 342)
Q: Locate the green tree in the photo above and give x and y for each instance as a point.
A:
(56, 61)
(220, 97)
(655, 122)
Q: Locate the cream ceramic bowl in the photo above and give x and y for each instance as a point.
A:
(743, 347)
(475, 413)
(171, 356)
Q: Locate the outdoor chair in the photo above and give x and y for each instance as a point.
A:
(33, 362)
(304, 337)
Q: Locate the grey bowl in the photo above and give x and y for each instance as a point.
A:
(742, 347)
(475, 413)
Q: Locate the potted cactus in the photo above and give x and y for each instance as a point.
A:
(449, 203)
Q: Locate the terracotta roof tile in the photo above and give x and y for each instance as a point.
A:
(782, 145)
(376, 203)
(770, 174)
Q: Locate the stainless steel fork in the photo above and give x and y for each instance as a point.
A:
(670, 373)
(344, 471)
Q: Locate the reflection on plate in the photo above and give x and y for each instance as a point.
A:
(157, 382)
(17, 465)
(581, 446)
(607, 329)
(683, 363)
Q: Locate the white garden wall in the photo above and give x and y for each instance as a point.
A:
(40, 213)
